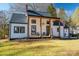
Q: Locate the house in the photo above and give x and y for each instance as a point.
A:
(18, 26)
(35, 24)
(66, 31)
(43, 25)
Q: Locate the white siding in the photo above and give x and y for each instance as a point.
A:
(61, 31)
(18, 35)
(66, 33)
(77, 29)
(55, 33)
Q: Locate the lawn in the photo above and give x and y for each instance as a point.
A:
(40, 48)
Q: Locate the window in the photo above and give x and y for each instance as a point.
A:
(61, 23)
(48, 22)
(56, 23)
(16, 29)
(19, 29)
(33, 21)
(33, 29)
(22, 29)
(47, 30)
(58, 29)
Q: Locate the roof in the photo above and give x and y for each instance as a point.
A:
(36, 13)
(18, 18)
(46, 14)
(39, 6)
(33, 13)
(42, 14)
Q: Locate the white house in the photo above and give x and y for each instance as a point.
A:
(18, 26)
(35, 24)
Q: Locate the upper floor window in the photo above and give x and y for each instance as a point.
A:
(33, 21)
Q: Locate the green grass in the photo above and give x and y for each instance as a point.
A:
(40, 48)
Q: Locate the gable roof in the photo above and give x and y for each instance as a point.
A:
(33, 13)
(38, 6)
(42, 14)
(18, 18)
(46, 14)
(39, 9)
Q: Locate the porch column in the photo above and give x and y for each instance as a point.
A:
(51, 27)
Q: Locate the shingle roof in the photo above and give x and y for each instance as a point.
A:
(18, 18)
(36, 13)
(38, 6)
(43, 14)
(33, 13)
(46, 14)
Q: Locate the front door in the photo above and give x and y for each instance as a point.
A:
(47, 30)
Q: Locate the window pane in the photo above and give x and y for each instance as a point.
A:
(56, 23)
(16, 29)
(33, 21)
(22, 29)
(33, 29)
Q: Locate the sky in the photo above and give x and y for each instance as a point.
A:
(69, 7)
(4, 6)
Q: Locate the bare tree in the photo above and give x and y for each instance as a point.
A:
(3, 24)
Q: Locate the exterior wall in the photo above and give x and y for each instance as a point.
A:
(54, 32)
(66, 33)
(44, 24)
(62, 31)
(37, 26)
(18, 35)
(78, 29)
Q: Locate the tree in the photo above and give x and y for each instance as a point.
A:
(3, 25)
(52, 11)
(62, 14)
(18, 7)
